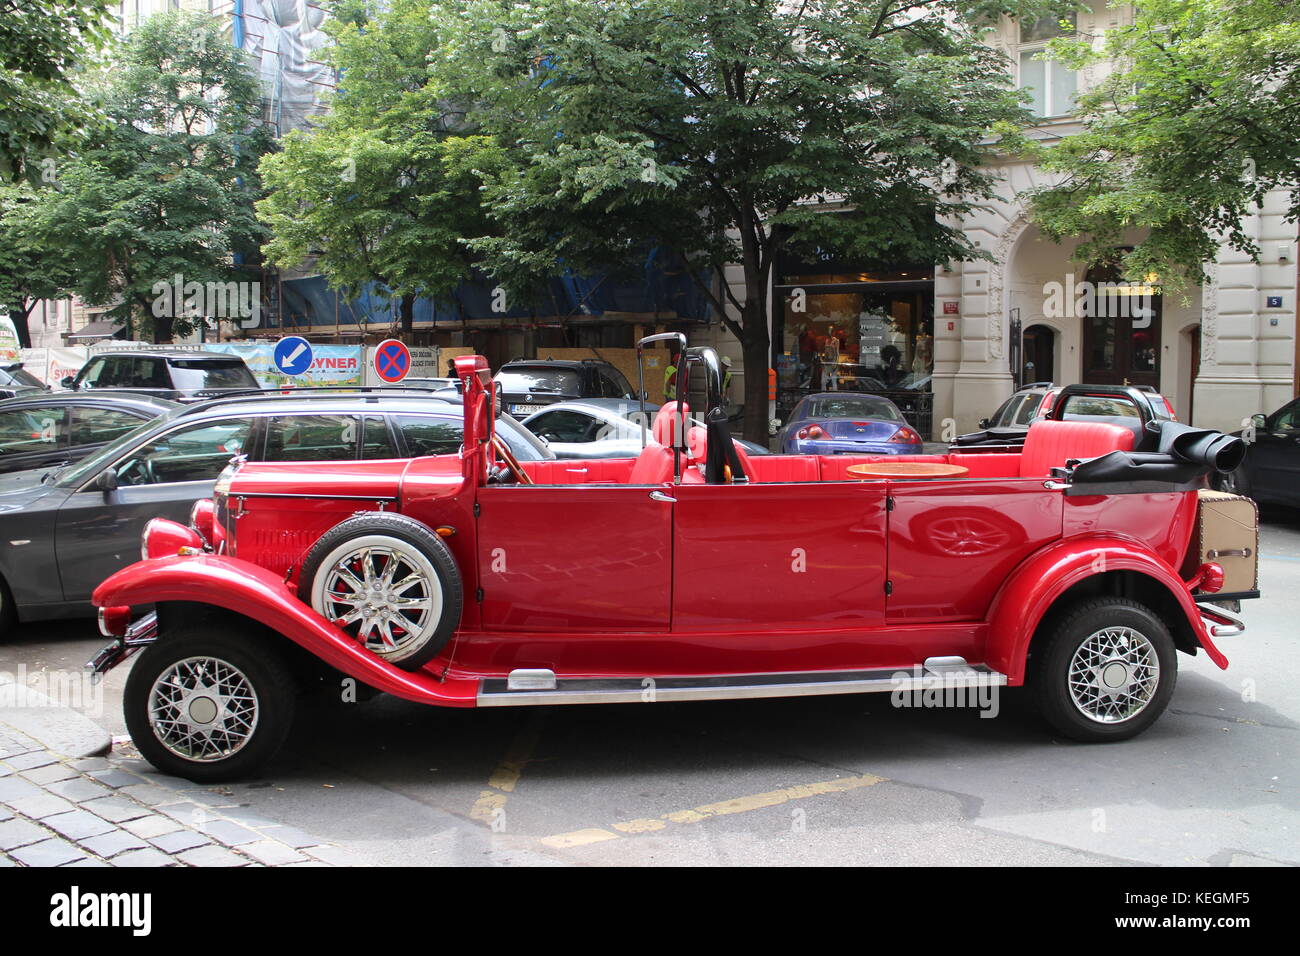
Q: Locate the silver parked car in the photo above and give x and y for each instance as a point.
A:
(601, 428)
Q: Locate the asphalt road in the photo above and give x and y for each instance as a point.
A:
(834, 780)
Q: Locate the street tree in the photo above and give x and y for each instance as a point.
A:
(29, 271)
(380, 192)
(42, 43)
(166, 187)
(1195, 124)
(724, 132)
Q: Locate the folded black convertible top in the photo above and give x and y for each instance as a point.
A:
(1184, 455)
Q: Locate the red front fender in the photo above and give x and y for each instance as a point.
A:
(1025, 597)
(256, 593)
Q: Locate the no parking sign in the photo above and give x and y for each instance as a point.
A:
(392, 361)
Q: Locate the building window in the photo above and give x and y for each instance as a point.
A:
(1051, 85)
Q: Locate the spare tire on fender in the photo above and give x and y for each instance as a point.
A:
(390, 582)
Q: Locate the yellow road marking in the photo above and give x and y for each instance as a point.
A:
(580, 838)
(757, 801)
(505, 776)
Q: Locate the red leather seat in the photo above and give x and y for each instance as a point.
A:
(662, 429)
(784, 468)
(1050, 444)
(654, 465)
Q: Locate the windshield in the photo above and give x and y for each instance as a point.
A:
(17, 375)
(195, 375)
(558, 380)
(76, 474)
(863, 406)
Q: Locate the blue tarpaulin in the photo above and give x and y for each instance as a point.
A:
(311, 302)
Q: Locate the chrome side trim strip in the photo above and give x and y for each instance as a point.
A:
(496, 692)
(276, 494)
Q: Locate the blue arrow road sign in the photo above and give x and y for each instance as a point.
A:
(293, 355)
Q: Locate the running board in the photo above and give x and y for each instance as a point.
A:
(540, 686)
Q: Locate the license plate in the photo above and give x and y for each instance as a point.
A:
(525, 409)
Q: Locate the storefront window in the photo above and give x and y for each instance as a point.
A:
(845, 326)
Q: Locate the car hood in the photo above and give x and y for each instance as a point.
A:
(19, 489)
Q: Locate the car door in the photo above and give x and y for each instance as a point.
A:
(574, 558)
(798, 556)
(1274, 457)
(952, 543)
(98, 532)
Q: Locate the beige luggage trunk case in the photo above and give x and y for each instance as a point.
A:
(1227, 534)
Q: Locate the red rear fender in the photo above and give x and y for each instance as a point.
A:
(262, 596)
(1040, 581)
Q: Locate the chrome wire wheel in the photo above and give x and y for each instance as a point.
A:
(382, 590)
(203, 709)
(1113, 675)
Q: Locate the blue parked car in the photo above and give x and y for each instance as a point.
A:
(848, 423)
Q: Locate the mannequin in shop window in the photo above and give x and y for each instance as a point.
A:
(830, 361)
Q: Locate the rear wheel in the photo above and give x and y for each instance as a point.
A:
(209, 704)
(1107, 670)
(389, 582)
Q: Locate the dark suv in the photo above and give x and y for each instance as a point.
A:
(529, 385)
(179, 376)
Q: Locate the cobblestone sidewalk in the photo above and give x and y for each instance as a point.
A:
(105, 811)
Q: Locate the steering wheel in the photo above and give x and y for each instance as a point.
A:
(511, 461)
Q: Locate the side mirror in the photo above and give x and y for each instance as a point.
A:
(985, 422)
(106, 481)
(1259, 422)
(67, 381)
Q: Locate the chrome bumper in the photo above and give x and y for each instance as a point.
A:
(140, 634)
(1220, 622)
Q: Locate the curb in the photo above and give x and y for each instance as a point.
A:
(59, 729)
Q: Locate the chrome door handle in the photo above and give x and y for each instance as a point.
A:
(660, 496)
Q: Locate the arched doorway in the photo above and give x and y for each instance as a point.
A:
(1039, 354)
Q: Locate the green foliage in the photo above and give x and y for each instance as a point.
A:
(1185, 139)
(722, 131)
(42, 42)
(168, 184)
(29, 271)
(380, 192)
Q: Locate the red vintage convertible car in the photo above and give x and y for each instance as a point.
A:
(687, 573)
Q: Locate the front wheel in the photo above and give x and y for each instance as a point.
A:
(1107, 670)
(210, 704)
